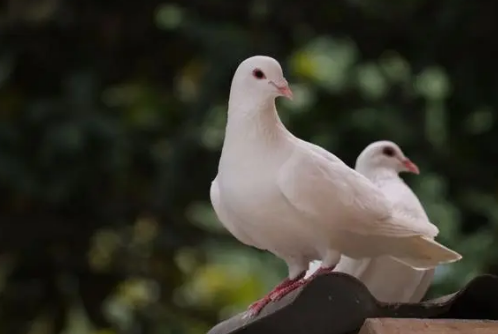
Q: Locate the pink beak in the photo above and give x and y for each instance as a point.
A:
(283, 89)
(286, 91)
(410, 166)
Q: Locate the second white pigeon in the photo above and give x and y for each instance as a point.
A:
(387, 279)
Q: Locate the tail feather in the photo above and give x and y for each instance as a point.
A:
(423, 253)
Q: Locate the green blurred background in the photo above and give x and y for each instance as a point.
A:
(112, 119)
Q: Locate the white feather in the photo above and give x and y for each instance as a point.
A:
(386, 278)
(298, 201)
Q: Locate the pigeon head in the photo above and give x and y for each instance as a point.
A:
(384, 155)
(260, 77)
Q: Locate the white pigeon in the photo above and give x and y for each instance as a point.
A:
(278, 193)
(387, 279)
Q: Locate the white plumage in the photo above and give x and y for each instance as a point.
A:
(387, 279)
(299, 201)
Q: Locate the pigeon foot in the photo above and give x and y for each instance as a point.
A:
(277, 295)
(256, 307)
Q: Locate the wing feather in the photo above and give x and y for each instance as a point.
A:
(322, 187)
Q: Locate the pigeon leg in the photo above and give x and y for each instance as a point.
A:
(257, 306)
(277, 295)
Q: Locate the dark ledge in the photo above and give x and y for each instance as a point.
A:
(339, 304)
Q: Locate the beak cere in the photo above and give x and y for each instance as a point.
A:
(410, 166)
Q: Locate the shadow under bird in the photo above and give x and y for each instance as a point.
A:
(298, 201)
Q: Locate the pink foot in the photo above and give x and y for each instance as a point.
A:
(277, 295)
(256, 307)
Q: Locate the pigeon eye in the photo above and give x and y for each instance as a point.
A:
(258, 74)
(388, 151)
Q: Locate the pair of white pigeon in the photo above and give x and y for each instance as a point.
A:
(300, 202)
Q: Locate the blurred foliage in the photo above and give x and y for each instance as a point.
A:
(112, 118)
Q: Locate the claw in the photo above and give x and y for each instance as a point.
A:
(256, 307)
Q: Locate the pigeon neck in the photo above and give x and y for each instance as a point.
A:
(254, 120)
(379, 173)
